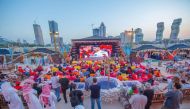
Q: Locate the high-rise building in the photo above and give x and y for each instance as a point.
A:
(38, 34)
(126, 38)
(175, 29)
(53, 28)
(95, 32)
(159, 32)
(123, 39)
(18, 41)
(24, 41)
(138, 35)
(102, 30)
(129, 36)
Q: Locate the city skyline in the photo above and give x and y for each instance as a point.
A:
(76, 17)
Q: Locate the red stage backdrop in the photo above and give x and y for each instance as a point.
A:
(88, 51)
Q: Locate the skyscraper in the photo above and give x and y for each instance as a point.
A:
(38, 34)
(95, 32)
(129, 37)
(24, 41)
(102, 30)
(126, 38)
(159, 32)
(53, 28)
(175, 29)
(138, 35)
(123, 39)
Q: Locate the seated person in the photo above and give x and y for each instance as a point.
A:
(37, 88)
(183, 75)
(185, 85)
(134, 76)
(133, 90)
(17, 85)
(77, 79)
(120, 77)
(157, 72)
(129, 70)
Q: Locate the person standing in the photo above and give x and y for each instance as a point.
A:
(138, 101)
(11, 97)
(64, 86)
(17, 85)
(95, 94)
(171, 82)
(60, 68)
(47, 98)
(56, 85)
(173, 98)
(149, 93)
(30, 97)
(37, 88)
(76, 97)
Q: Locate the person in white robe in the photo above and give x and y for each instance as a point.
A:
(47, 98)
(138, 101)
(30, 97)
(11, 96)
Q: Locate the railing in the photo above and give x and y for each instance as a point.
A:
(5, 67)
(159, 97)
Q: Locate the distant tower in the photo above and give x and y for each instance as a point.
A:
(24, 41)
(102, 30)
(53, 28)
(123, 39)
(18, 40)
(95, 32)
(38, 34)
(159, 32)
(138, 35)
(175, 29)
(129, 37)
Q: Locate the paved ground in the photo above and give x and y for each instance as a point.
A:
(115, 105)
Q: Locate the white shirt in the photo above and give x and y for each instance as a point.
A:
(79, 107)
(138, 101)
(55, 82)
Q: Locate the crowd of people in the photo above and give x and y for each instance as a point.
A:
(142, 98)
(41, 87)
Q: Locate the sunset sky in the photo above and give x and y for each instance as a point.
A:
(74, 17)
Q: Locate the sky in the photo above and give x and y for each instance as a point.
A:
(75, 17)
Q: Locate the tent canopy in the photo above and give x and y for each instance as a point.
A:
(146, 47)
(176, 46)
(43, 50)
(4, 52)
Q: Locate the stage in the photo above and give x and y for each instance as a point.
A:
(94, 48)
